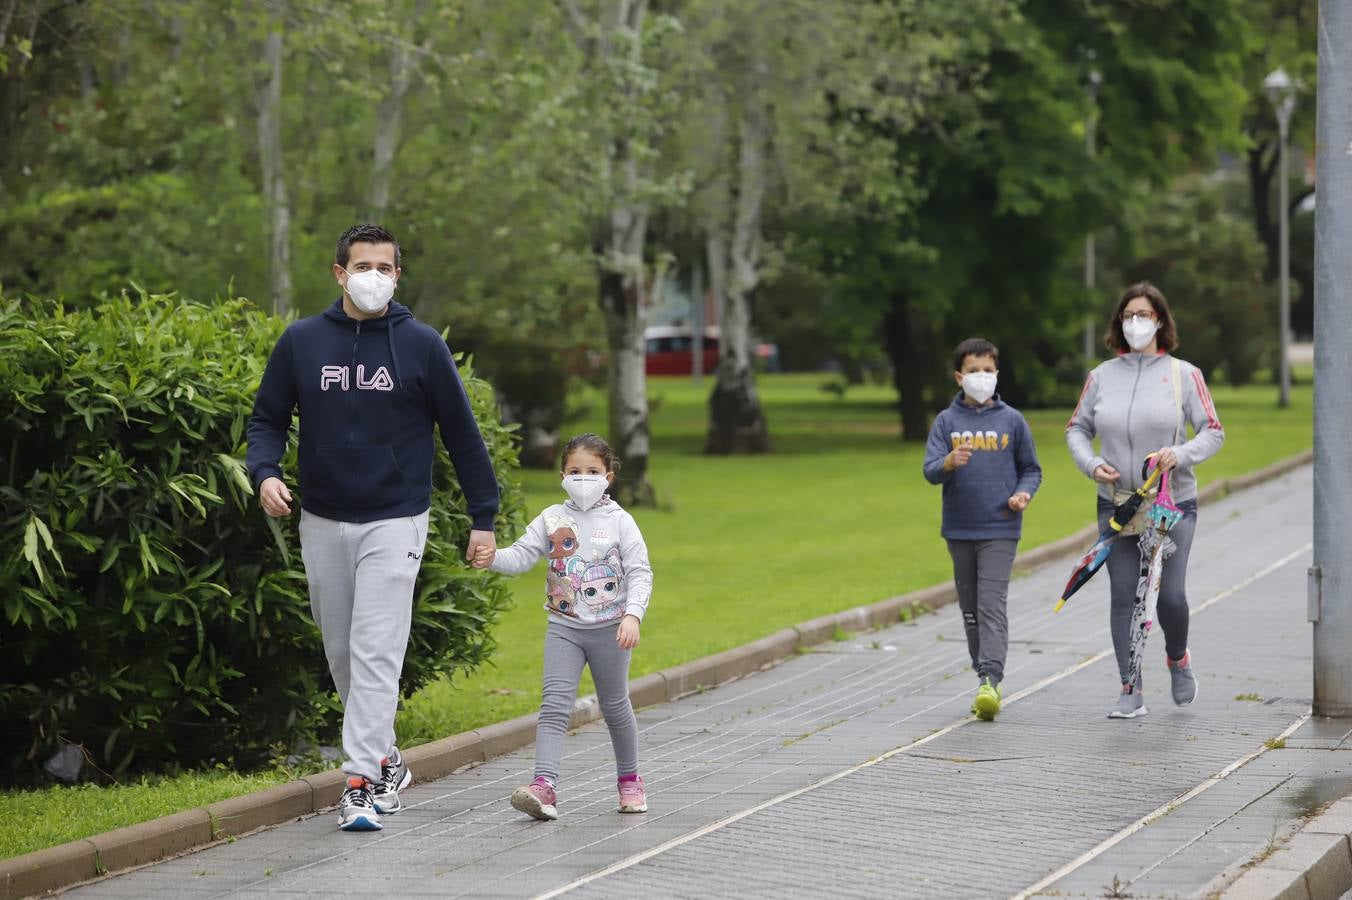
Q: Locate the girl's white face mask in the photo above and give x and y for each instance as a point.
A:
(1139, 332)
(585, 490)
(979, 386)
(370, 290)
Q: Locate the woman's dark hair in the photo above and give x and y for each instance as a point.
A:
(974, 347)
(1166, 338)
(363, 234)
(592, 443)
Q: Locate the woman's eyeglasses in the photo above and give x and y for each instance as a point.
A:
(1148, 316)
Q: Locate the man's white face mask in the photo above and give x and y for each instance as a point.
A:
(370, 290)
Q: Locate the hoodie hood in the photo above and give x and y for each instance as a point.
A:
(960, 404)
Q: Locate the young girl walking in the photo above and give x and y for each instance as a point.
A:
(596, 591)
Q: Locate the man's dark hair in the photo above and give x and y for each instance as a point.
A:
(363, 234)
(974, 347)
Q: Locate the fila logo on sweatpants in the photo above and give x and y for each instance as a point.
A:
(412, 555)
(380, 380)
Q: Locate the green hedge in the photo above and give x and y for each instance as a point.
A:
(151, 613)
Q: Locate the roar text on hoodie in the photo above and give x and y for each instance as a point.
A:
(369, 392)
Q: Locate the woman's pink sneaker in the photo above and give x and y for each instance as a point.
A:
(537, 800)
(633, 799)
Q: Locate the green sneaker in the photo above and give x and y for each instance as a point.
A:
(987, 702)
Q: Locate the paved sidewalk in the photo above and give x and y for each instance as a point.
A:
(774, 786)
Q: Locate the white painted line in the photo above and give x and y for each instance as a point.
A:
(1156, 813)
(686, 838)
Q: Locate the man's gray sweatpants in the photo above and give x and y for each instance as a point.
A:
(567, 649)
(981, 572)
(361, 595)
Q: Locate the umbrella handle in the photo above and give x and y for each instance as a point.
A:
(1147, 464)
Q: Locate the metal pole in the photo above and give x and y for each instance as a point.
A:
(1090, 124)
(1283, 192)
(1331, 576)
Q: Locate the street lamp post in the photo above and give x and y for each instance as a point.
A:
(1281, 90)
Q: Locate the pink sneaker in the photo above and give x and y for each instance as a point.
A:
(537, 800)
(633, 799)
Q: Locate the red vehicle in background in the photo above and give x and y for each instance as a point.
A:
(671, 350)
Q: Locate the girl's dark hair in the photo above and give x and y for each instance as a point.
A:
(1166, 338)
(592, 443)
(974, 347)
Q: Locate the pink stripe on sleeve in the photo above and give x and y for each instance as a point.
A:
(1205, 396)
(1089, 380)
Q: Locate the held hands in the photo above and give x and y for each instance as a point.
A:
(1106, 474)
(957, 457)
(483, 546)
(1019, 502)
(274, 497)
(627, 635)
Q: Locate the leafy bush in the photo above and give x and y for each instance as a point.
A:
(151, 612)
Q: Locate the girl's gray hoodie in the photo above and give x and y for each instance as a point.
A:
(598, 563)
(1128, 403)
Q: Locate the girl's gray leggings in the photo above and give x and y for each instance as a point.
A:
(1124, 573)
(567, 650)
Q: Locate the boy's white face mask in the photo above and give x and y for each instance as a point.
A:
(979, 386)
(585, 490)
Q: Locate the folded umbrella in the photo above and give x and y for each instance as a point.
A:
(1156, 547)
(1094, 558)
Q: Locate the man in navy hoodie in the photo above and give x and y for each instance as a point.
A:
(370, 382)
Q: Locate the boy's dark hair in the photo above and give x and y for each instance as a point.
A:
(1166, 338)
(974, 347)
(592, 443)
(363, 234)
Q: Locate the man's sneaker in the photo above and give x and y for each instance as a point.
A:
(537, 800)
(357, 809)
(1130, 704)
(987, 702)
(633, 798)
(394, 777)
(1184, 682)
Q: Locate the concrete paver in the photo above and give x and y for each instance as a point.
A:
(977, 809)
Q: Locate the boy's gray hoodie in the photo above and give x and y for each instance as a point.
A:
(598, 563)
(1128, 403)
(1003, 463)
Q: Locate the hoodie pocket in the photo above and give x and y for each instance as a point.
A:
(357, 477)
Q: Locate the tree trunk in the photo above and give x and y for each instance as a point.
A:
(1261, 173)
(389, 122)
(621, 299)
(275, 198)
(909, 365)
(736, 420)
(620, 250)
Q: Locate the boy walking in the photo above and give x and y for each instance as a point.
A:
(981, 450)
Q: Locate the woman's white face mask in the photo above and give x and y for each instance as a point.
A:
(1139, 332)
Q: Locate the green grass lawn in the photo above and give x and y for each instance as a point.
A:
(837, 516)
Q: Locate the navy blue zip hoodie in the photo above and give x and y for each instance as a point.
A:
(1003, 462)
(368, 393)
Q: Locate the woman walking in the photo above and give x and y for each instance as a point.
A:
(1136, 404)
